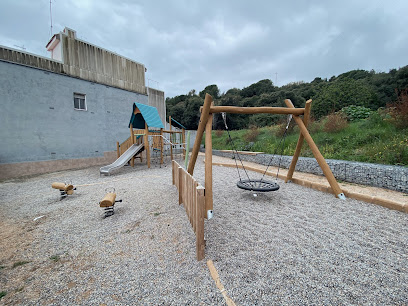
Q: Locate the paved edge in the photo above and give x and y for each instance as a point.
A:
(354, 195)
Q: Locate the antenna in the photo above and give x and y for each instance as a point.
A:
(51, 15)
(21, 47)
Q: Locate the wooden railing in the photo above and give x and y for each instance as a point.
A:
(121, 148)
(192, 196)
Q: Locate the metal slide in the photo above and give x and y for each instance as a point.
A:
(123, 159)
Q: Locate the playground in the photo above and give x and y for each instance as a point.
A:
(119, 234)
(294, 246)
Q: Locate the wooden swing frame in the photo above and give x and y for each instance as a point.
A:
(205, 125)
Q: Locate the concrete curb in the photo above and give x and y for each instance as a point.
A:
(321, 187)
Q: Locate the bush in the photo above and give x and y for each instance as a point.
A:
(280, 131)
(314, 126)
(219, 133)
(399, 110)
(252, 134)
(354, 112)
(335, 123)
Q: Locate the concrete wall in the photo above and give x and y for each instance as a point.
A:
(38, 121)
(28, 59)
(156, 99)
(89, 62)
(83, 60)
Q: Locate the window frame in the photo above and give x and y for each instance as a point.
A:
(81, 97)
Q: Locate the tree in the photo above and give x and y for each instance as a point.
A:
(191, 115)
(341, 93)
(256, 89)
(211, 90)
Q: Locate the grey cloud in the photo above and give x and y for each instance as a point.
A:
(190, 44)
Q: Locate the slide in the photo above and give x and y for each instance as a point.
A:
(123, 159)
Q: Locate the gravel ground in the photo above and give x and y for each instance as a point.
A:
(292, 246)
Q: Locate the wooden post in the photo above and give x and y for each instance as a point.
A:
(299, 145)
(180, 184)
(319, 157)
(200, 207)
(132, 139)
(183, 140)
(132, 136)
(161, 146)
(147, 147)
(172, 173)
(117, 149)
(200, 131)
(171, 140)
(208, 166)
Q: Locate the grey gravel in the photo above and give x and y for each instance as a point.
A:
(293, 246)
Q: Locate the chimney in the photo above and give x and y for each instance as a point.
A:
(55, 44)
(70, 33)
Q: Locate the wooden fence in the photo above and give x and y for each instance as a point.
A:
(192, 196)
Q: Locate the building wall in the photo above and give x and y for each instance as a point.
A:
(156, 99)
(85, 61)
(38, 121)
(89, 62)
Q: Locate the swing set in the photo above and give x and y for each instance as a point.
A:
(260, 185)
(198, 200)
(256, 185)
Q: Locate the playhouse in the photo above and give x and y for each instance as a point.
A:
(147, 134)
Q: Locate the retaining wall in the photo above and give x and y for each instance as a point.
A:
(384, 176)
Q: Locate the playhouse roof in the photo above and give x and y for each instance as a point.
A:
(148, 114)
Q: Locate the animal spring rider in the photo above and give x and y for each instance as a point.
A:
(65, 189)
(108, 202)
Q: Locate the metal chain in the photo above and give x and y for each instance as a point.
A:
(234, 150)
(277, 149)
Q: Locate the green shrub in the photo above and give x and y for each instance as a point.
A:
(354, 112)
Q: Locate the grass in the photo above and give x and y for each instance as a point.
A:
(55, 258)
(3, 293)
(19, 263)
(372, 140)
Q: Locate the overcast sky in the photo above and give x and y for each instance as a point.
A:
(189, 44)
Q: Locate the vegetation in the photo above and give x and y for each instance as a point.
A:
(357, 92)
(55, 258)
(359, 115)
(20, 263)
(376, 139)
(3, 293)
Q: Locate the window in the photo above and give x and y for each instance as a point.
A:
(79, 101)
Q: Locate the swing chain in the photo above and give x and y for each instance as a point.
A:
(224, 117)
(280, 147)
(234, 150)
